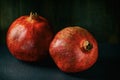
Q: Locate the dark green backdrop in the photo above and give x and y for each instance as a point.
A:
(100, 17)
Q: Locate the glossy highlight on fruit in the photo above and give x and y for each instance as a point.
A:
(74, 49)
(29, 37)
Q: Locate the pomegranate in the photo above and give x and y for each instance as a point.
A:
(74, 49)
(29, 37)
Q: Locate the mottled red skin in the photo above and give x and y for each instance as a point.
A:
(67, 50)
(28, 38)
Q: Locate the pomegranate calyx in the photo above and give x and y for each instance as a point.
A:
(33, 15)
(87, 45)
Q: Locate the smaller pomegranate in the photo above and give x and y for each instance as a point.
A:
(74, 49)
(29, 37)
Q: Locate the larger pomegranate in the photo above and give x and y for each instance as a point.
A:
(74, 49)
(28, 38)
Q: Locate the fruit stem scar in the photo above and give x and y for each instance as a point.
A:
(87, 45)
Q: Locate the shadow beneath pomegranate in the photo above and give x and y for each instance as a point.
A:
(87, 75)
(104, 69)
(46, 63)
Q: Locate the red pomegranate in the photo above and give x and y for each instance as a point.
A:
(29, 37)
(74, 49)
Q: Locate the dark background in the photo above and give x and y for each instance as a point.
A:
(100, 17)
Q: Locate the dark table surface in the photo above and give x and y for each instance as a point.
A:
(106, 67)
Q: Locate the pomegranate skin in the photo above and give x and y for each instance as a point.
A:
(74, 49)
(29, 37)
